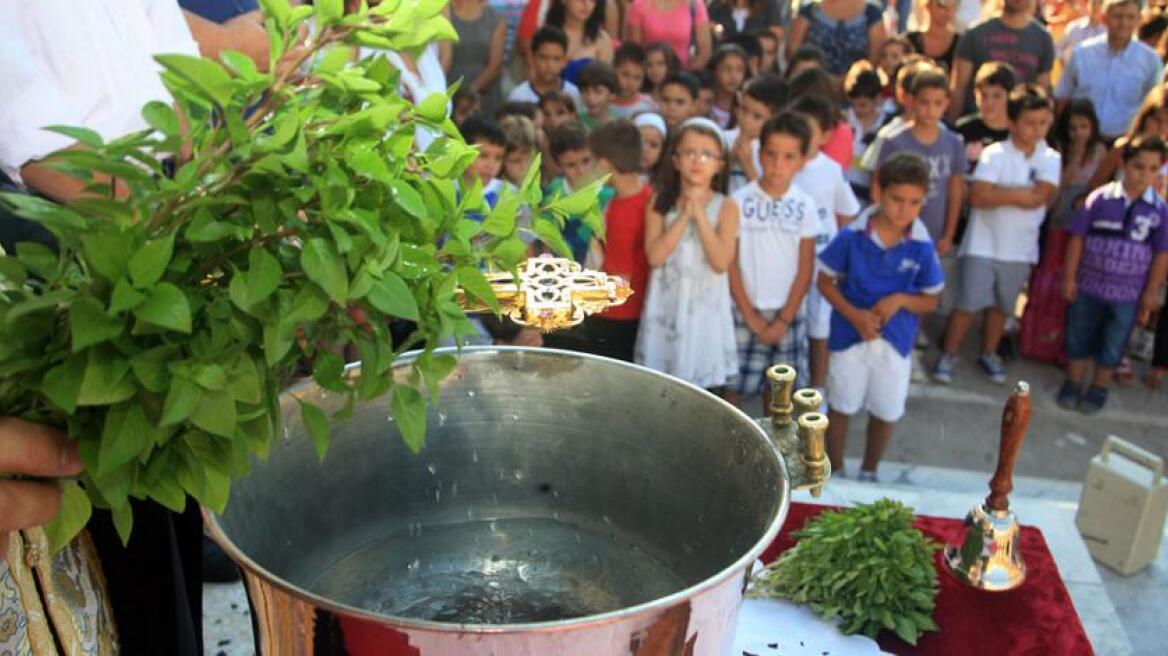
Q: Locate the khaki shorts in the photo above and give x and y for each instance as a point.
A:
(984, 283)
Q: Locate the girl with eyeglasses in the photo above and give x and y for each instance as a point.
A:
(691, 232)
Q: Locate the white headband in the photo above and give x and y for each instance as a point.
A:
(703, 122)
(651, 120)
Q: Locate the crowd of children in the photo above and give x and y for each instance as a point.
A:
(811, 212)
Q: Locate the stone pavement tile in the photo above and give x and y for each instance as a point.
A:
(1100, 619)
(226, 620)
(1141, 600)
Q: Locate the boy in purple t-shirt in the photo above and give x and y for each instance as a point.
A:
(1117, 261)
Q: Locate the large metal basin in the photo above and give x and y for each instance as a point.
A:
(563, 504)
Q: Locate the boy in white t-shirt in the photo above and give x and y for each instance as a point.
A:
(823, 179)
(774, 261)
(1012, 186)
(761, 98)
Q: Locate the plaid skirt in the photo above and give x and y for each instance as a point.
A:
(754, 357)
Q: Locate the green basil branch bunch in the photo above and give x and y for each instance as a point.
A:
(866, 566)
(301, 216)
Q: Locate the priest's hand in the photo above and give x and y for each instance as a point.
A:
(31, 450)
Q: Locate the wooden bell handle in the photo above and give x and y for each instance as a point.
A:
(1015, 422)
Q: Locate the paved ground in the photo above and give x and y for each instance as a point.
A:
(957, 426)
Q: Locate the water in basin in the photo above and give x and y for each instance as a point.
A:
(506, 571)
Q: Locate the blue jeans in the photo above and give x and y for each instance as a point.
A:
(1099, 329)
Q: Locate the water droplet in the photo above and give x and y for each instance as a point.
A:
(413, 567)
(438, 495)
(556, 493)
(441, 418)
(474, 455)
(556, 515)
(470, 393)
(606, 519)
(470, 513)
(517, 475)
(523, 571)
(494, 526)
(389, 418)
(454, 489)
(514, 417)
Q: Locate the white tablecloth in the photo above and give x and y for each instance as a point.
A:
(773, 627)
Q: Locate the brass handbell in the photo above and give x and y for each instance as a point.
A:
(552, 293)
(989, 556)
(798, 429)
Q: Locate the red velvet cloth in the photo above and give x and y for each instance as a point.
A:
(1032, 619)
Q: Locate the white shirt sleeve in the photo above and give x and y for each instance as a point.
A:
(989, 164)
(31, 101)
(846, 203)
(169, 28)
(814, 213)
(1049, 168)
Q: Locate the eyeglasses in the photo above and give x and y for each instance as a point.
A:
(703, 156)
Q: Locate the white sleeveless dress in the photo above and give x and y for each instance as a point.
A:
(687, 329)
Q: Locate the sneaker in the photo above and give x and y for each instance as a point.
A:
(867, 476)
(922, 340)
(919, 373)
(1068, 395)
(991, 364)
(1093, 401)
(943, 370)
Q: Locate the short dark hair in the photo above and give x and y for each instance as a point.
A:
(619, 142)
(909, 69)
(517, 108)
(1145, 144)
(813, 82)
(566, 137)
(629, 51)
(557, 96)
(1026, 98)
(930, 79)
(748, 41)
(788, 123)
(996, 74)
(466, 92)
(478, 128)
(598, 74)
(1152, 27)
(549, 34)
(903, 168)
(807, 52)
(768, 89)
(726, 51)
(863, 81)
(685, 80)
(898, 40)
(818, 109)
(705, 79)
(520, 133)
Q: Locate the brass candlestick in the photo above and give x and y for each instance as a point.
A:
(798, 429)
(551, 293)
(989, 557)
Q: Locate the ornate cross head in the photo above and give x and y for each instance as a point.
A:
(552, 293)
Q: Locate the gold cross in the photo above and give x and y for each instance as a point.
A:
(552, 293)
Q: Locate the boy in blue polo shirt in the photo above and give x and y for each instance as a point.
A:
(876, 293)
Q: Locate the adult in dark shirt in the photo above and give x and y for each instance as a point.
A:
(938, 41)
(732, 17)
(1013, 36)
